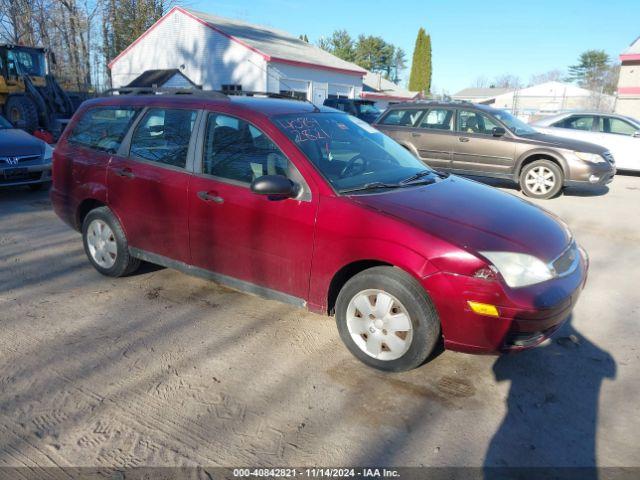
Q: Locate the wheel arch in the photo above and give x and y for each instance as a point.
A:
(530, 157)
(344, 274)
(84, 208)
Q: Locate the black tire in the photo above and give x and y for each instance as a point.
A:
(535, 190)
(415, 300)
(125, 264)
(21, 108)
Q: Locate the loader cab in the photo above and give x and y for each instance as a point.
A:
(18, 61)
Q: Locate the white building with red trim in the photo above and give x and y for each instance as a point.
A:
(384, 92)
(629, 81)
(219, 53)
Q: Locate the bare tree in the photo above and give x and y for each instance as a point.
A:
(550, 76)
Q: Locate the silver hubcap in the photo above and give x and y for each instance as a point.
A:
(379, 324)
(102, 244)
(540, 180)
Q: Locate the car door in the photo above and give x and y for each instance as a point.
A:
(622, 141)
(148, 182)
(477, 150)
(262, 242)
(434, 137)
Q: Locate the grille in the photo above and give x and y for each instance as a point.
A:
(17, 160)
(609, 158)
(567, 260)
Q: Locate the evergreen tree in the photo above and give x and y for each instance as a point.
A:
(420, 78)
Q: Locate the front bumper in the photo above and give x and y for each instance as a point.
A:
(527, 316)
(584, 173)
(32, 174)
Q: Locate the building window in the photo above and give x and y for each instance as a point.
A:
(229, 87)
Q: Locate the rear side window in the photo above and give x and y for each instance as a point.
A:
(103, 128)
(402, 118)
(437, 119)
(163, 136)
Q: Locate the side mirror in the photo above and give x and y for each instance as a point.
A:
(274, 186)
(498, 131)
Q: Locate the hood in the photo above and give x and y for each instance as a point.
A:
(545, 140)
(475, 217)
(15, 142)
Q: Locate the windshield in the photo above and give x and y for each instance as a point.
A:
(513, 124)
(368, 109)
(4, 123)
(350, 153)
(27, 62)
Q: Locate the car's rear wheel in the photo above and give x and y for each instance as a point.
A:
(541, 179)
(106, 244)
(386, 319)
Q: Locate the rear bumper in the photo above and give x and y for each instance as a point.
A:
(64, 207)
(527, 316)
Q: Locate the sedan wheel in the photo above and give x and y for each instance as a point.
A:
(386, 319)
(379, 324)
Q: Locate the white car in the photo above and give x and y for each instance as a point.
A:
(617, 133)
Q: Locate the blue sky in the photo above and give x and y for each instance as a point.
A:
(470, 39)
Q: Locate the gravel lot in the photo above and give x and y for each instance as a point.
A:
(164, 369)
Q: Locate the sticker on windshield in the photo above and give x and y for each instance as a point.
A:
(304, 129)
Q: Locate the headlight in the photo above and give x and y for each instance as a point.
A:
(590, 157)
(519, 269)
(48, 153)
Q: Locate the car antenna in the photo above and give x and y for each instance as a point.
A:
(315, 107)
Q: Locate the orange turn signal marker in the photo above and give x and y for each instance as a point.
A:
(483, 308)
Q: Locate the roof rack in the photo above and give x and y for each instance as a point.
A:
(164, 91)
(196, 92)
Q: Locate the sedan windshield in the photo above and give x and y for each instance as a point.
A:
(4, 123)
(514, 124)
(351, 154)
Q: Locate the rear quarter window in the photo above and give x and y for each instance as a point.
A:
(402, 118)
(103, 128)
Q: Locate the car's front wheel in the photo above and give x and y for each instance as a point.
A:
(386, 319)
(106, 244)
(541, 179)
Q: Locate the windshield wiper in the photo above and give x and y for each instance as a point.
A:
(416, 176)
(371, 186)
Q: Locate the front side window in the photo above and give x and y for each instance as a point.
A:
(582, 122)
(437, 119)
(402, 118)
(236, 150)
(349, 153)
(103, 128)
(163, 136)
(471, 121)
(617, 126)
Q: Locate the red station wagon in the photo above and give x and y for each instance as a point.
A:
(314, 207)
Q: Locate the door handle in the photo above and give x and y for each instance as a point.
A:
(125, 172)
(463, 139)
(415, 134)
(207, 197)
